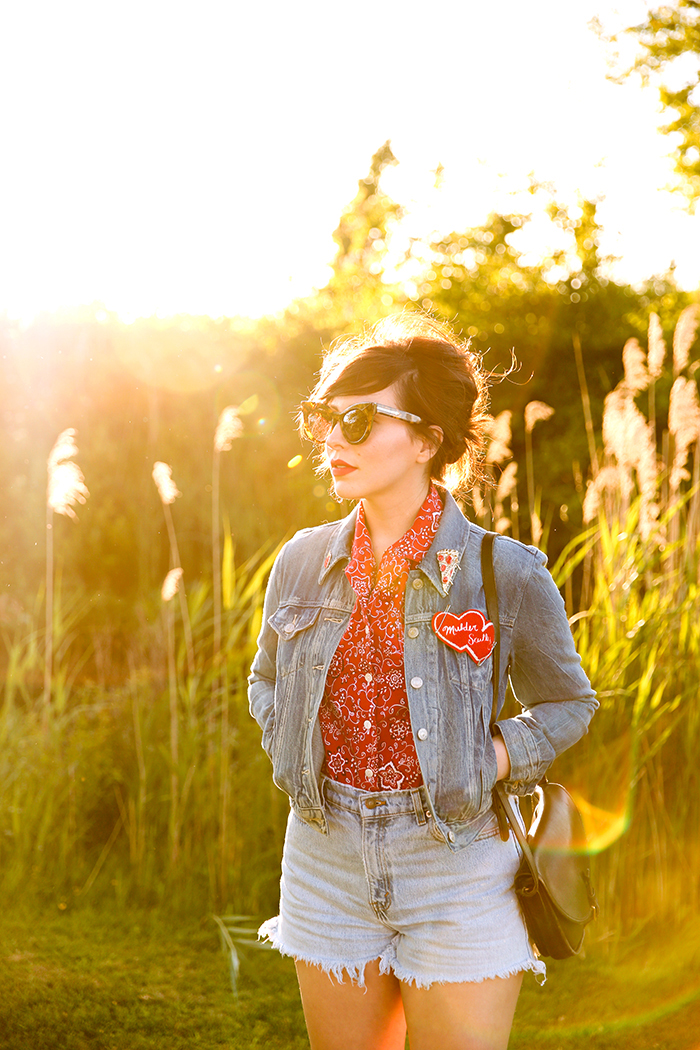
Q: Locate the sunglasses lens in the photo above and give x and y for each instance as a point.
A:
(355, 425)
(316, 425)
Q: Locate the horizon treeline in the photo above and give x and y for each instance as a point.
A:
(153, 391)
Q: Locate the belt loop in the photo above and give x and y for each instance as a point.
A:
(418, 806)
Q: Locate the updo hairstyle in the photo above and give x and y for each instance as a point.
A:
(437, 377)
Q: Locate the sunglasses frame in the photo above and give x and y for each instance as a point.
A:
(372, 409)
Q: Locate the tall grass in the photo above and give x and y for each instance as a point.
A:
(157, 790)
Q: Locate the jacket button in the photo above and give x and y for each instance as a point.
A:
(422, 734)
(289, 628)
(416, 683)
(451, 836)
(412, 632)
(417, 584)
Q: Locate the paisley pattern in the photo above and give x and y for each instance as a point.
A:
(364, 714)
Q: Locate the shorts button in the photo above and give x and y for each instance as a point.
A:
(422, 734)
(417, 585)
(412, 632)
(416, 683)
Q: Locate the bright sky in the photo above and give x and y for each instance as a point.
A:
(195, 157)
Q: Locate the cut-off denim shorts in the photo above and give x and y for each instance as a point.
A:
(381, 885)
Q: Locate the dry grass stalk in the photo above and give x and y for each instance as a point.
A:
(657, 347)
(228, 429)
(168, 491)
(535, 412)
(499, 434)
(608, 479)
(65, 487)
(637, 376)
(684, 425)
(629, 439)
(507, 486)
(684, 336)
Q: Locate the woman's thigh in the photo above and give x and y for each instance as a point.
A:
(341, 1015)
(464, 1016)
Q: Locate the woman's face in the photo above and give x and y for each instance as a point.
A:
(392, 462)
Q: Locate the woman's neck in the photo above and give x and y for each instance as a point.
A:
(389, 518)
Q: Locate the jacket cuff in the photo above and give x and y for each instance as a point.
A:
(527, 765)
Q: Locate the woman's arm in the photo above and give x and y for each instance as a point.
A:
(262, 677)
(547, 679)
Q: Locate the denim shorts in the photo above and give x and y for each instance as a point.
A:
(382, 885)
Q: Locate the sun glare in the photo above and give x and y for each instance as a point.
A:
(185, 179)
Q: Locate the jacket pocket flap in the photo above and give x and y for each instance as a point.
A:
(289, 620)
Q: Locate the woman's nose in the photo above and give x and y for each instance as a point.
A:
(335, 437)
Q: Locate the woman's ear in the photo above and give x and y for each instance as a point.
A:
(431, 445)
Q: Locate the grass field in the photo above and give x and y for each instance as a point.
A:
(120, 980)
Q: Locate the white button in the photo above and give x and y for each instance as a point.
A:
(289, 628)
(367, 724)
(422, 734)
(451, 836)
(369, 774)
(416, 683)
(368, 677)
(417, 584)
(412, 632)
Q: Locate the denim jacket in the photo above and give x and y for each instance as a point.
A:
(307, 608)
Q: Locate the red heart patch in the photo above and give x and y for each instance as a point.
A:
(469, 632)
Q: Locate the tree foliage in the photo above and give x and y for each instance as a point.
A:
(669, 42)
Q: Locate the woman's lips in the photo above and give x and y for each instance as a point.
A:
(339, 469)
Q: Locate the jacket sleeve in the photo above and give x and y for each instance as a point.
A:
(547, 680)
(263, 673)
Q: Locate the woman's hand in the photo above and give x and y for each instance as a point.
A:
(502, 757)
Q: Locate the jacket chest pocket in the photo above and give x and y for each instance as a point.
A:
(293, 625)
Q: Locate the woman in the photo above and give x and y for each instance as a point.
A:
(396, 897)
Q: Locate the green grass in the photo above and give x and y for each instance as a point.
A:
(119, 980)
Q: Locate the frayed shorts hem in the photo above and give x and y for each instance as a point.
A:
(388, 963)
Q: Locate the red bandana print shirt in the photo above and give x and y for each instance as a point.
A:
(364, 714)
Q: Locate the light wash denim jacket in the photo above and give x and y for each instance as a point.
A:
(307, 608)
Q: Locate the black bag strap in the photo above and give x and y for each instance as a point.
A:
(501, 805)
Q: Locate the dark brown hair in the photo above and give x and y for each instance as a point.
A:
(437, 377)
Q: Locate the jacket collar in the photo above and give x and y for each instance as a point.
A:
(452, 535)
(340, 544)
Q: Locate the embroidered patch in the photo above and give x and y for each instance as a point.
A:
(469, 632)
(449, 563)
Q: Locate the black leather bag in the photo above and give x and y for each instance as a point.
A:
(553, 882)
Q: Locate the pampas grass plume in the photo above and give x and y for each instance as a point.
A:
(498, 430)
(163, 477)
(536, 412)
(684, 336)
(171, 584)
(684, 424)
(66, 484)
(636, 375)
(229, 427)
(657, 347)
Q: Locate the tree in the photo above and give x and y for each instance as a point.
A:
(669, 42)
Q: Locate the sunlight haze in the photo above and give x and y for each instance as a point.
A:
(166, 159)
